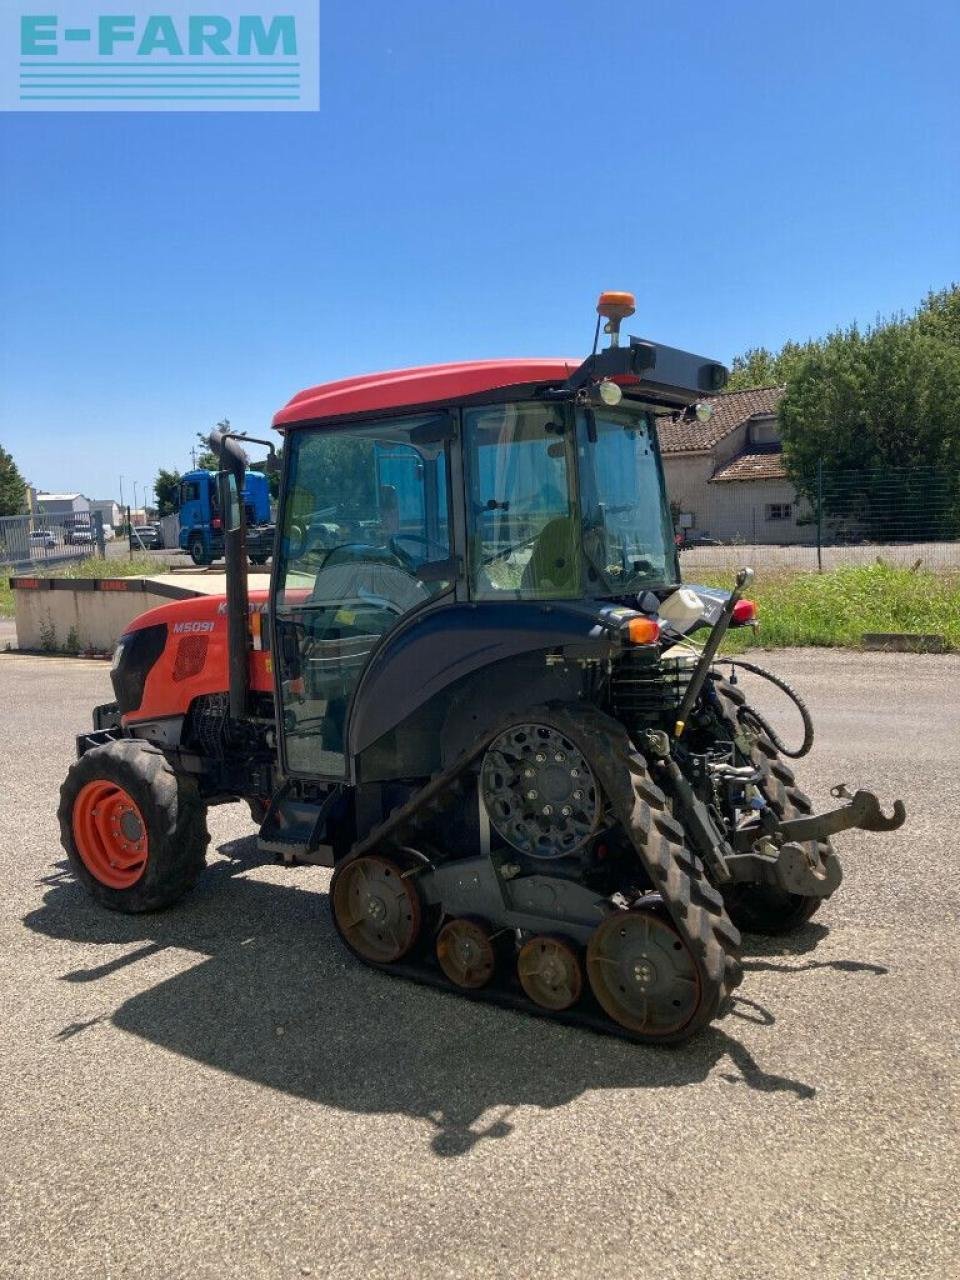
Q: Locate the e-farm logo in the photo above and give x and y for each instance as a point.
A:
(181, 55)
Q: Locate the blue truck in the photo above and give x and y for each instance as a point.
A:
(201, 520)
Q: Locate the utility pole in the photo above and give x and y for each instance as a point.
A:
(121, 491)
(134, 495)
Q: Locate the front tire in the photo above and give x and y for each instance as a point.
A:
(198, 551)
(135, 831)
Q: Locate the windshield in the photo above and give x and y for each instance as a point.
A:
(627, 530)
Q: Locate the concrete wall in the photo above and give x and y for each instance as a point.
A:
(45, 618)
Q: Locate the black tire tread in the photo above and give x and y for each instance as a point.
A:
(172, 809)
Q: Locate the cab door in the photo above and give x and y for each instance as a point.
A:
(364, 544)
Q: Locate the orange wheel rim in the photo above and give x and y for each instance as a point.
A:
(110, 834)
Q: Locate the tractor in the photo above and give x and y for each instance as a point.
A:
(479, 692)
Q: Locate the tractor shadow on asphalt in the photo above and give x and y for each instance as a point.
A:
(277, 1000)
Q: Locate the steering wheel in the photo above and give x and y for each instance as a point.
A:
(305, 537)
(411, 562)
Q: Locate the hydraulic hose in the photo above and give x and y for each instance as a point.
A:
(748, 713)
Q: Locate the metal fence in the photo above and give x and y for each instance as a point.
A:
(49, 541)
(905, 516)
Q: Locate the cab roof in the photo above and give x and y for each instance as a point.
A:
(428, 384)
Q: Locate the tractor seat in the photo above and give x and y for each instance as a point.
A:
(555, 561)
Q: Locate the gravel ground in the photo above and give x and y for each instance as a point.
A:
(218, 1091)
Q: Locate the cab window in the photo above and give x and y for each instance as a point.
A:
(521, 508)
(365, 542)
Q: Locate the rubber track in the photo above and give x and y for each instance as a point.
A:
(695, 907)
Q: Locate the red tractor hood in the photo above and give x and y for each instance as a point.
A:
(195, 609)
(194, 661)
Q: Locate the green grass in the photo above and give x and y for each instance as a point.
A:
(91, 567)
(834, 609)
(94, 567)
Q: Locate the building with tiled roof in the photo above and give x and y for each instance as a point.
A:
(726, 477)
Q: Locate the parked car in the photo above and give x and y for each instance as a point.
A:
(687, 541)
(147, 536)
(81, 535)
(42, 538)
(108, 533)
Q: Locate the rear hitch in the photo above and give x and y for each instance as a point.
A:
(789, 853)
(863, 812)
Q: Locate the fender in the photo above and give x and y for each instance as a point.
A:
(437, 648)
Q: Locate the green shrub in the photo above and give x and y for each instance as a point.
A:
(836, 608)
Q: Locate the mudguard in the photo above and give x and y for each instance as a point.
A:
(436, 649)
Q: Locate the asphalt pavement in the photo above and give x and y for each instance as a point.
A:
(220, 1091)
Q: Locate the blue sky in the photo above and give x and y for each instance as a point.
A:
(475, 174)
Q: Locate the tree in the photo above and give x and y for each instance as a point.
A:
(273, 477)
(13, 489)
(876, 414)
(758, 367)
(938, 315)
(206, 459)
(879, 413)
(166, 487)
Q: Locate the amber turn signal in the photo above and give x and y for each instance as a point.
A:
(643, 630)
(613, 305)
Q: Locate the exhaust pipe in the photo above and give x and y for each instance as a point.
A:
(233, 467)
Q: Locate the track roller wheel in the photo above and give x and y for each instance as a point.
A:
(643, 974)
(376, 908)
(465, 953)
(550, 972)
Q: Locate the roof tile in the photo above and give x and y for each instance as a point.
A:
(761, 462)
(730, 409)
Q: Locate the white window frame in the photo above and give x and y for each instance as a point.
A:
(778, 511)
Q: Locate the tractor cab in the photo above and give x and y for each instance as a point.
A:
(499, 488)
